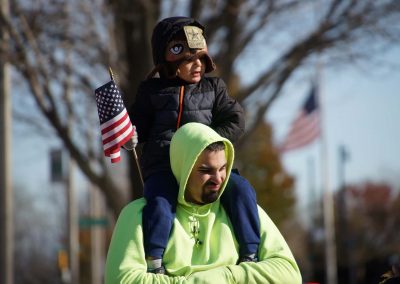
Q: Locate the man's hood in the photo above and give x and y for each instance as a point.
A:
(187, 144)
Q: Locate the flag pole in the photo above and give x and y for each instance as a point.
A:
(6, 187)
(111, 73)
(328, 205)
(133, 148)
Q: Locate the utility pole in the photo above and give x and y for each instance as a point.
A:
(97, 235)
(72, 219)
(6, 192)
(72, 206)
(346, 236)
(329, 224)
(97, 211)
(342, 210)
(328, 204)
(313, 215)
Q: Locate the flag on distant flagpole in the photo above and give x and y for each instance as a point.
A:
(116, 127)
(306, 127)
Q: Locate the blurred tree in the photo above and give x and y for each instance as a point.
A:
(370, 244)
(373, 234)
(375, 211)
(259, 162)
(61, 46)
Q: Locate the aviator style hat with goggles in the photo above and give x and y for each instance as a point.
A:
(175, 40)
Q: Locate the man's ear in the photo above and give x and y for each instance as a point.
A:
(186, 194)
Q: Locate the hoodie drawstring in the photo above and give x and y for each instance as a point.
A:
(194, 225)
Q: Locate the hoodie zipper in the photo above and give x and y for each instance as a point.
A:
(181, 94)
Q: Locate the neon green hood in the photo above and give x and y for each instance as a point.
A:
(202, 247)
(186, 146)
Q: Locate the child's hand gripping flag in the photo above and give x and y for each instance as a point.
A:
(116, 127)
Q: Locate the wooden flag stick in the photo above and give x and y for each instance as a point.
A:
(111, 73)
(133, 148)
(138, 165)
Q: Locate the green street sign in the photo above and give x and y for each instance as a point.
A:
(87, 222)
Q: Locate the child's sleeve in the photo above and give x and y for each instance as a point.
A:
(141, 112)
(228, 114)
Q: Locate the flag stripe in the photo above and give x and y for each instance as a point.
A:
(115, 156)
(307, 136)
(113, 120)
(121, 139)
(116, 128)
(115, 125)
(303, 128)
(116, 160)
(302, 140)
(304, 120)
(306, 127)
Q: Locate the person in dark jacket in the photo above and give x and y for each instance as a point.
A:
(179, 95)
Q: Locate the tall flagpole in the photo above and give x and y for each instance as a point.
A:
(328, 205)
(72, 202)
(6, 192)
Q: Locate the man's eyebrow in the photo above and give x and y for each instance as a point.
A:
(204, 167)
(207, 167)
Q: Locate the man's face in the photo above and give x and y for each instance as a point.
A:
(206, 178)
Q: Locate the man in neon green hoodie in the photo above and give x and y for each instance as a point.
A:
(202, 247)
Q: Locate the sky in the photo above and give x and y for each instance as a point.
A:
(361, 111)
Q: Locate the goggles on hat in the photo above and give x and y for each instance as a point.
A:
(191, 48)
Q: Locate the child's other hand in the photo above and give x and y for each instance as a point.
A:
(132, 143)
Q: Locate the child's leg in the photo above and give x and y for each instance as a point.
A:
(160, 191)
(239, 201)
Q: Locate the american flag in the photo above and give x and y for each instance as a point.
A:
(306, 127)
(116, 127)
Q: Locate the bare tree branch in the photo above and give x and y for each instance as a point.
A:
(117, 33)
(329, 34)
(41, 91)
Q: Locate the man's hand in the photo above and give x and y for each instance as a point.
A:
(220, 275)
(132, 143)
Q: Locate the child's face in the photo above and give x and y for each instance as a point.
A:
(192, 71)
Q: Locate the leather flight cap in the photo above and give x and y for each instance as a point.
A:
(193, 47)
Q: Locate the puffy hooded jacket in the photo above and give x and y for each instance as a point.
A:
(163, 105)
(213, 259)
